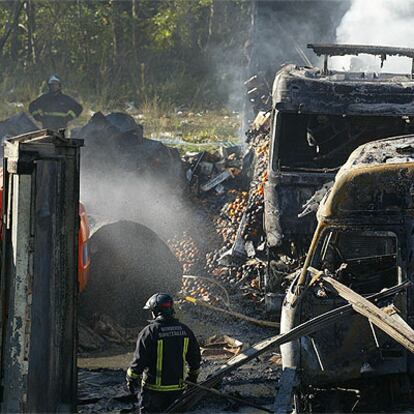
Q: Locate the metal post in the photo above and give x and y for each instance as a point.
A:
(412, 68)
(38, 293)
(325, 64)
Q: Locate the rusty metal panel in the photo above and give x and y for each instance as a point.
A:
(39, 274)
(310, 91)
(44, 346)
(17, 295)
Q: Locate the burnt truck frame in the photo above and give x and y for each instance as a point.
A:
(319, 116)
(365, 240)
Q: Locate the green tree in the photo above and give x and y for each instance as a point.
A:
(117, 50)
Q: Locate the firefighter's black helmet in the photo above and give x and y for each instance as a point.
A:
(160, 304)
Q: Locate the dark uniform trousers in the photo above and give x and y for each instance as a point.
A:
(156, 402)
(163, 350)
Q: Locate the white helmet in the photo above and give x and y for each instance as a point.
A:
(54, 79)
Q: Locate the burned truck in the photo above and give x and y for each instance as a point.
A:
(319, 116)
(364, 239)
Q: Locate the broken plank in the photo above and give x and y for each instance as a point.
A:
(215, 181)
(400, 332)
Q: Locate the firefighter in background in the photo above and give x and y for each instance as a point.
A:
(164, 348)
(54, 109)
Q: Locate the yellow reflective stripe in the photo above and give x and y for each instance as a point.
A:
(158, 377)
(185, 350)
(60, 114)
(132, 374)
(160, 348)
(155, 387)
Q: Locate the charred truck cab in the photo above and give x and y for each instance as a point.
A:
(319, 117)
(365, 240)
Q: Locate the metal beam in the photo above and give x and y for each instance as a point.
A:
(192, 396)
(331, 49)
(399, 331)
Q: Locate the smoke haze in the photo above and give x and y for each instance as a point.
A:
(126, 196)
(379, 22)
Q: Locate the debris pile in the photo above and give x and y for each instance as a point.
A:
(235, 203)
(218, 347)
(213, 171)
(115, 145)
(259, 93)
(102, 333)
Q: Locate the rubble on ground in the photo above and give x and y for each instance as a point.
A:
(235, 204)
(222, 346)
(115, 144)
(102, 332)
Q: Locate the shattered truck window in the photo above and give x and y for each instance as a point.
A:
(309, 141)
(364, 261)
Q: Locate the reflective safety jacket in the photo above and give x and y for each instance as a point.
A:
(163, 349)
(55, 110)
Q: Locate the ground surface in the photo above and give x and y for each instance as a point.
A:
(101, 376)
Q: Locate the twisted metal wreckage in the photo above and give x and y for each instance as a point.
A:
(363, 246)
(362, 242)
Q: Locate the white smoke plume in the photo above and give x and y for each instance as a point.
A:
(377, 22)
(126, 196)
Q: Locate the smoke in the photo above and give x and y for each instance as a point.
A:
(126, 196)
(128, 177)
(379, 22)
(272, 34)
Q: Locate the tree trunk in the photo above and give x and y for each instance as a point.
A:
(118, 39)
(17, 7)
(218, 20)
(31, 30)
(83, 29)
(12, 25)
(134, 31)
(135, 40)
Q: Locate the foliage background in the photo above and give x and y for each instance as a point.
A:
(115, 51)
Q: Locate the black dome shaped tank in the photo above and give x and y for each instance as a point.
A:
(129, 263)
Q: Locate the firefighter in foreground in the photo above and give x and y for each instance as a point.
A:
(164, 348)
(54, 109)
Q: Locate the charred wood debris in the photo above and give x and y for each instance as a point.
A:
(229, 186)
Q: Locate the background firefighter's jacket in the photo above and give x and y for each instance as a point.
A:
(55, 110)
(163, 348)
